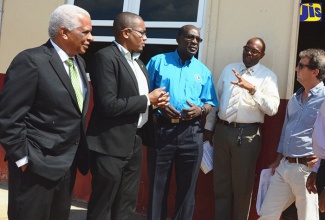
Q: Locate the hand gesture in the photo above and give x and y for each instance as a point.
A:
(243, 83)
(192, 112)
(170, 112)
(159, 97)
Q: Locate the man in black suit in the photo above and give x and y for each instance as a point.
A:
(119, 121)
(42, 122)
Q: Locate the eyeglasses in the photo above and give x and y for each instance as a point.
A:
(253, 51)
(301, 65)
(143, 33)
(192, 37)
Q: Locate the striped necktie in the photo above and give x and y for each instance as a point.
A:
(75, 80)
(232, 108)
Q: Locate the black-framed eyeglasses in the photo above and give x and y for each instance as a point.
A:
(253, 51)
(143, 33)
(192, 37)
(301, 65)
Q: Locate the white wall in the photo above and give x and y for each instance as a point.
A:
(24, 25)
(230, 23)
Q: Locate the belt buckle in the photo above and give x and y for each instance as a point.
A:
(174, 120)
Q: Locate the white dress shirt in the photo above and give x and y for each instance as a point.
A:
(251, 108)
(141, 79)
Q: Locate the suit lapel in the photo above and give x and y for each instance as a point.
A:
(59, 69)
(126, 65)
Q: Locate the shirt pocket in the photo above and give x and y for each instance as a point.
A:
(193, 89)
(309, 116)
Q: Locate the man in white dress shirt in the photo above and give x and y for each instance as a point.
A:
(237, 132)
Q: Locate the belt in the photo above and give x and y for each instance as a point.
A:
(177, 120)
(301, 160)
(237, 125)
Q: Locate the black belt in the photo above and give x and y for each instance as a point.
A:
(177, 120)
(237, 125)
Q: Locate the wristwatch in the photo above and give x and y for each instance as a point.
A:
(203, 110)
(253, 91)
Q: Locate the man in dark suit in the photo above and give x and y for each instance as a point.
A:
(42, 119)
(119, 120)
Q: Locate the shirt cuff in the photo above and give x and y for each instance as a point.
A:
(316, 166)
(148, 101)
(22, 161)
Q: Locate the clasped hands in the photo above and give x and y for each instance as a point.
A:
(171, 113)
(159, 97)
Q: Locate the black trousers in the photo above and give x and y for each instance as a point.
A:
(32, 197)
(178, 145)
(320, 183)
(115, 184)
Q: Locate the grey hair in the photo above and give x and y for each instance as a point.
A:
(317, 60)
(65, 16)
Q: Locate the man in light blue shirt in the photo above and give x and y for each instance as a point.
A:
(296, 158)
(179, 127)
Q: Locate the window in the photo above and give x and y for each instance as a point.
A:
(162, 18)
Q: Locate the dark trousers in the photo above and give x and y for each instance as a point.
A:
(234, 170)
(320, 183)
(115, 184)
(32, 197)
(179, 145)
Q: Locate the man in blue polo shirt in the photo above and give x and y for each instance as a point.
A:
(179, 126)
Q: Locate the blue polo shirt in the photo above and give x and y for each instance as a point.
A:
(191, 81)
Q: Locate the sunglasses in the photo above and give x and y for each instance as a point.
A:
(192, 37)
(301, 65)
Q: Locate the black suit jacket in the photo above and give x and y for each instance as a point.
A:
(117, 104)
(39, 114)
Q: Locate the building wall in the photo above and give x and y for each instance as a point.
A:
(230, 23)
(24, 25)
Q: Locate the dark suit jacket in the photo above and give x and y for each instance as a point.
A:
(39, 114)
(117, 104)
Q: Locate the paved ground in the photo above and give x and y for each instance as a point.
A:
(78, 209)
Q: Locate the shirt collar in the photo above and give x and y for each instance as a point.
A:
(251, 69)
(313, 91)
(179, 59)
(63, 55)
(126, 53)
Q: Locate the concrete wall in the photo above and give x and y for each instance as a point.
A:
(24, 25)
(230, 23)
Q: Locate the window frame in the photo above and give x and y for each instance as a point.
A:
(134, 6)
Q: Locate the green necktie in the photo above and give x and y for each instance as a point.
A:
(75, 80)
